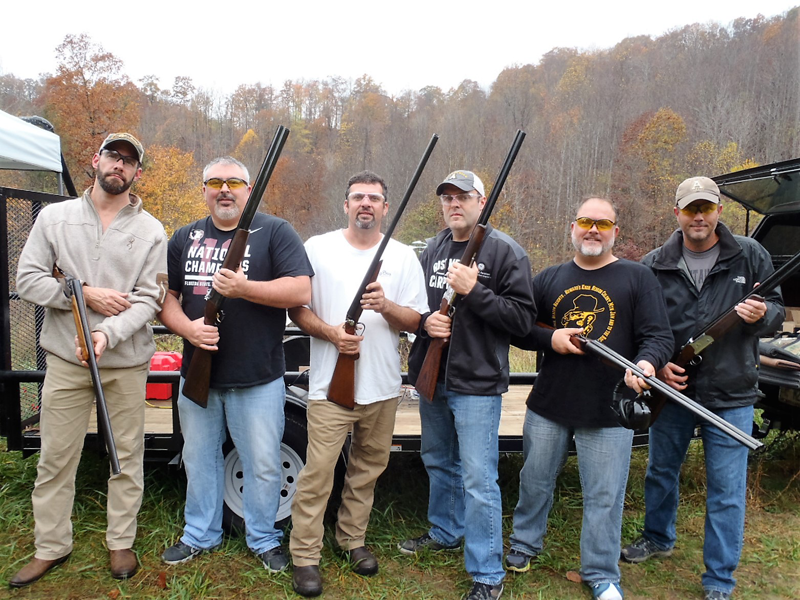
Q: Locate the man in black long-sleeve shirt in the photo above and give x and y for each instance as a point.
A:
(618, 303)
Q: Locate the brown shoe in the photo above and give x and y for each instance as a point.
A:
(34, 570)
(363, 561)
(123, 563)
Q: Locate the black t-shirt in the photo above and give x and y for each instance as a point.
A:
(438, 281)
(251, 335)
(620, 305)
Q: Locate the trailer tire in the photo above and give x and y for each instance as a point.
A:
(293, 459)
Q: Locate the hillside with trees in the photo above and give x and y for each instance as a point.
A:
(628, 122)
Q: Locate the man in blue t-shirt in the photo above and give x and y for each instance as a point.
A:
(246, 389)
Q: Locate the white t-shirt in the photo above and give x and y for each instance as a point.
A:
(339, 270)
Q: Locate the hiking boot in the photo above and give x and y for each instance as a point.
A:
(307, 581)
(124, 563)
(484, 591)
(518, 561)
(414, 545)
(274, 560)
(363, 561)
(607, 591)
(182, 553)
(716, 595)
(642, 549)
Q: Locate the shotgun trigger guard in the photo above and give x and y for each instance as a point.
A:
(696, 360)
(220, 316)
(632, 409)
(360, 328)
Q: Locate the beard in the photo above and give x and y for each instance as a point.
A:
(366, 224)
(594, 250)
(112, 185)
(227, 214)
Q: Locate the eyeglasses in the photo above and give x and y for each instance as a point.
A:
(602, 224)
(705, 208)
(359, 196)
(460, 198)
(234, 183)
(128, 161)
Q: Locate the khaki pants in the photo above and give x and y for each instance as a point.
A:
(328, 424)
(67, 398)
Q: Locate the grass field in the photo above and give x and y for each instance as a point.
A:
(769, 567)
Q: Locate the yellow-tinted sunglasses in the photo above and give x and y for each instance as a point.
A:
(705, 208)
(602, 224)
(234, 183)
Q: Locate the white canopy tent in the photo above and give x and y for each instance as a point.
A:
(25, 147)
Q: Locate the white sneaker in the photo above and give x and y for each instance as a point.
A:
(607, 591)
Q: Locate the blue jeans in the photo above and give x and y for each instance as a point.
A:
(460, 450)
(604, 456)
(726, 481)
(254, 417)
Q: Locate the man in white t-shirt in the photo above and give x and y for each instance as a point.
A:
(392, 304)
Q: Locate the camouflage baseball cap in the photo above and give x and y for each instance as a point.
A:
(463, 180)
(696, 188)
(125, 137)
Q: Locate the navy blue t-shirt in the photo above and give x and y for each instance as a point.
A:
(251, 335)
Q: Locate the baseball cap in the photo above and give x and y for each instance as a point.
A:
(125, 137)
(463, 180)
(696, 188)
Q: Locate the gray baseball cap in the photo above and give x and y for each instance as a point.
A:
(696, 188)
(463, 180)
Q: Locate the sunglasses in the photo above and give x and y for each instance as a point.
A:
(128, 161)
(602, 224)
(234, 183)
(706, 208)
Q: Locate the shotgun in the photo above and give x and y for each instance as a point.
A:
(75, 288)
(341, 390)
(429, 372)
(690, 352)
(198, 373)
(614, 359)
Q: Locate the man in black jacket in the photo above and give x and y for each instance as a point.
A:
(618, 303)
(703, 270)
(460, 425)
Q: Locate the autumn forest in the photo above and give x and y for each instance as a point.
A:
(628, 122)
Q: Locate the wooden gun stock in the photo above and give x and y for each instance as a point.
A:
(87, 354)
(342, 389)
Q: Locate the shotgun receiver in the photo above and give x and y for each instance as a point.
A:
(429, 372)
(198, 374)
(75, 288)
(341, 390)
(614, 359)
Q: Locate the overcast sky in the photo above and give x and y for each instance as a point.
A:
(402, 45)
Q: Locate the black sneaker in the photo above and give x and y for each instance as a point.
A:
(274, 560)
(518, 561)
(642, 549)
(181, 553)
(484, 591)
(414, 545)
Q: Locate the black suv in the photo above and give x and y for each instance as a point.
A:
(774, 192)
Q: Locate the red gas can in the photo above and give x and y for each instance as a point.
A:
(163, 361)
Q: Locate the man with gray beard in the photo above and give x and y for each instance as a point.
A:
(618, 303)
(246, 389)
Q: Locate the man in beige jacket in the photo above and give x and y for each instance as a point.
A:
(119, 252)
